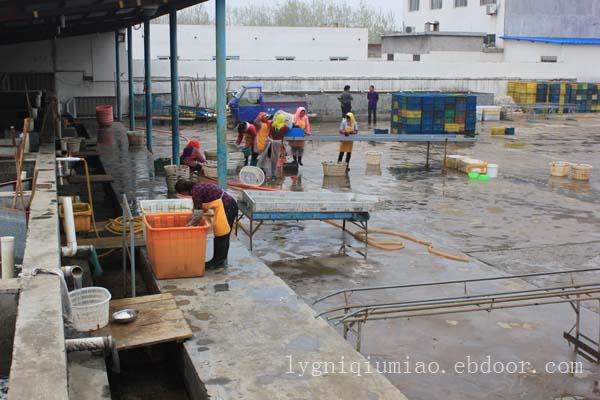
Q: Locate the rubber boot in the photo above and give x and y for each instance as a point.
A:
(300, 160)
(340, 157)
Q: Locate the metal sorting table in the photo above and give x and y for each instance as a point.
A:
(371, 137)
(259, 206)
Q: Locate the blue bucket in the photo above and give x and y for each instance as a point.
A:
(509, 131)
(295, 132)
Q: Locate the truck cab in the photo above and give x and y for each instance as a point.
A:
(249, 101)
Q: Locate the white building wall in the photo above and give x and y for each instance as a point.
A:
(197, 42)
(90, 56)
(472, 18)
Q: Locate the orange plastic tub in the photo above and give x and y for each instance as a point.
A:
(175, 250)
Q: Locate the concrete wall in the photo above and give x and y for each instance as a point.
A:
(568, 55)
(553, 18)
(90, 56)
(9, 299)
(197, 42)
(423, 44)
(472, 18)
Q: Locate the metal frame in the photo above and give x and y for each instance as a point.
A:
(358, 314)
(359, 219)
(417, 138)
(128, 251)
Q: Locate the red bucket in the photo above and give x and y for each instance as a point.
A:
(104, 115)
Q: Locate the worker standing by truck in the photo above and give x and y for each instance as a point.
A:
(373, 98)
(247, 133)
(208, 196)
(346, 101)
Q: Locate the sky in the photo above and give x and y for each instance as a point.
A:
(394, 6)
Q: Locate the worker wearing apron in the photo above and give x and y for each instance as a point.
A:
(348, 127)
(208, 196)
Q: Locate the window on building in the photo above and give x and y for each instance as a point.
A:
(436, 4)
(416, 57)
(338, 58)
(285, 58)
(413, 5)
(486, 2)
(460, 3)
(549, 59)
(390, 57)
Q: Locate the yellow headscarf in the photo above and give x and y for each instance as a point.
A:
(350, 127)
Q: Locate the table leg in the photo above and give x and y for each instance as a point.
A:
(366, 238)
(251, 233)
(445, 154)
(344, 225)
(427, 159)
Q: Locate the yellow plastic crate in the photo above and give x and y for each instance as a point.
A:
(413, 114)
(498, 130)
(452, 127)
(395, 131)
(395, 118)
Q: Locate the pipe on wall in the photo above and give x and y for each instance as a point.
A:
(7, 243)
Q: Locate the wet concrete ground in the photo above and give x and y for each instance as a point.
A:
(522, 222)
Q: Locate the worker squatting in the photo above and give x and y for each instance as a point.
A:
(470, 365)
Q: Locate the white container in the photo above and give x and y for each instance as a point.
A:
(374, 157)
(252, 176)
(89, 308)
(492, 170)
(166, 206)
(8, 256)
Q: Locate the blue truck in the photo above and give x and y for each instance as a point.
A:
(250, 100)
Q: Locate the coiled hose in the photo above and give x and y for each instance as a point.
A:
(395, 245)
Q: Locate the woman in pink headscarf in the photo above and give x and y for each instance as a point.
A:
(300, 121)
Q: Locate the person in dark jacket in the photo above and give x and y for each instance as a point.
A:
(373, 98)
(208, 196)
(192, 156)
(346, 101)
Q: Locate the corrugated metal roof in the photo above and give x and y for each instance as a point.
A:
(553, 40)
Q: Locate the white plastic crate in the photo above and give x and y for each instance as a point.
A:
(165, 206)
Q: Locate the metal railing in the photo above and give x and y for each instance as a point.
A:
(350, 314)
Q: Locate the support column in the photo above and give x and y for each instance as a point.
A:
(117, 76)
(221, 128)
(174, 85)
(130, 79)
(148, 84)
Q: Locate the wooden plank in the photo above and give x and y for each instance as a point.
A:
(159, 321)
(111, 242)
(93, 179)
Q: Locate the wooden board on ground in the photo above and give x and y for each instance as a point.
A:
(159, 321)
(111, 242)
(93, 179)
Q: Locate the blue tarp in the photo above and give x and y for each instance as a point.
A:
(553, 40)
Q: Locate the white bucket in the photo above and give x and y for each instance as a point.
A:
(492, 170)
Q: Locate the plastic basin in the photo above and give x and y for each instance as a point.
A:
(473, 175)
(175, 250)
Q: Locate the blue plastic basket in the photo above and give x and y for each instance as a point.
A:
(295, 132)
(380, 131)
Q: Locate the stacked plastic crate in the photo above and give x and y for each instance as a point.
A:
(433, 113)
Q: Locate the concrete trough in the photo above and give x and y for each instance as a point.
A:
(299, 202)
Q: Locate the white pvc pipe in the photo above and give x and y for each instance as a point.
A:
(69, 225)
(7, 244)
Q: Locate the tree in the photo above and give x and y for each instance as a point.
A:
(297, 13)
